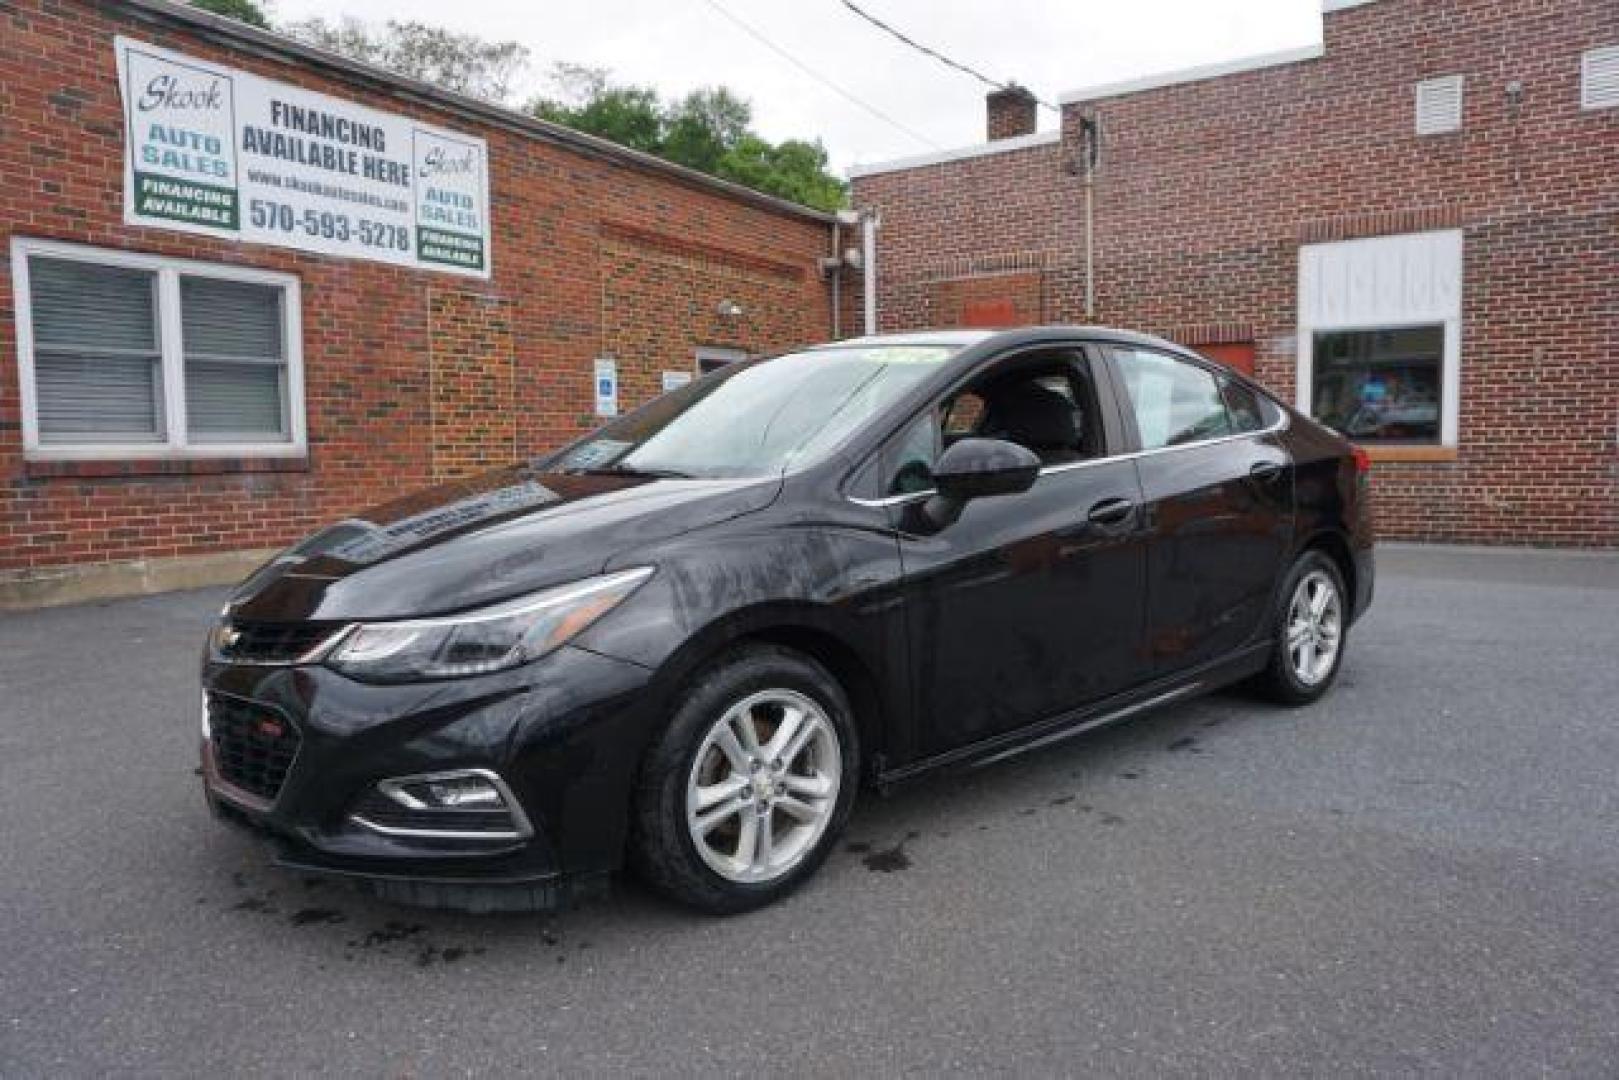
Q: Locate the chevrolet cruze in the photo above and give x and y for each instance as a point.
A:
(686, 641)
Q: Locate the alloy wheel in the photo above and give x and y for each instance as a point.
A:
(763, 786)
(1315, 627)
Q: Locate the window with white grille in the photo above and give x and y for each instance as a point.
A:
(1599, 78)
(129, 355)
(1439, 105)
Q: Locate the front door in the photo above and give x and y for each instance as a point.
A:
(1218, 502)
(1027, 605)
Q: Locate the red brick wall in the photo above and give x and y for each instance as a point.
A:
(409, 375)
(664, 295)
(474, 374)
(1010, 112)
(1206, 190)
(986, 300)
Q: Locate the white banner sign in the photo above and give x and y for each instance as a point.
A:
(222, 152)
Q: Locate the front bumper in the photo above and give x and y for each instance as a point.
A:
(564, 734)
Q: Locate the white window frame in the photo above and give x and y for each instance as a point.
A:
(170, 333)
(1439, 313)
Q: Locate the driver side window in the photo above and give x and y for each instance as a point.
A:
(1040, 401)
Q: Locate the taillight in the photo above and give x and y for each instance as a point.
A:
(1363, 460)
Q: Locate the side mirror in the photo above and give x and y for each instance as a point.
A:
(972, 469)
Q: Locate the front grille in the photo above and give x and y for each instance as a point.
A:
(253, 745)
(377, 809)
(271, 643)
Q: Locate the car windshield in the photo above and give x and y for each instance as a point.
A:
(757, 418)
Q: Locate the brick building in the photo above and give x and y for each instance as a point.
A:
(251, 287)
(1411, 230)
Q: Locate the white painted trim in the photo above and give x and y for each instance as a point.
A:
(1329, 6)
(1194, 74)
(939, 157)
(1450, 358)
(169, 271)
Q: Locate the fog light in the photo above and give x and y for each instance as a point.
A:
(459, 804)
(461, 790)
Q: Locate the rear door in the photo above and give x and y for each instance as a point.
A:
(1218, 504)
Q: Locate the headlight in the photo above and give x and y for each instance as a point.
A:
(489, 639)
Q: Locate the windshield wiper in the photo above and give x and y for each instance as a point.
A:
(630, 470)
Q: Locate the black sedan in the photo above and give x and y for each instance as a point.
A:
(686, 640)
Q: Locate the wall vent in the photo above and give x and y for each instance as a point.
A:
(1599, 78)
(1439, 105)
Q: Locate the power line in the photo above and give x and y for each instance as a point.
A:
(817, 76)
(939, 56)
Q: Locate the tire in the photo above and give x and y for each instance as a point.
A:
(798, 793)
(1292, 678)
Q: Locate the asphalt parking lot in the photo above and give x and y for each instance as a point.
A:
(1418, 875)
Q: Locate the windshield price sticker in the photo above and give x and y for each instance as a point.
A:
(223, 152)
(908, 354)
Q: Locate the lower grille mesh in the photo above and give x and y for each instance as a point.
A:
(253, 745)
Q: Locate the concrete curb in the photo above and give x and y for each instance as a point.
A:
(28, 589)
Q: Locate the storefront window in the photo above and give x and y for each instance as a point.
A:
(1380, 385)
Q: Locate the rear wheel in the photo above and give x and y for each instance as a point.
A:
(1311, 625)
(742, 795)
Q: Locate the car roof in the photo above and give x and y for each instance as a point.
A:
(1013, 336)
(959, 338)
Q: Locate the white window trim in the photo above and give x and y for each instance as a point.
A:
(1450, 369)
(1450, 399)
(169, 271)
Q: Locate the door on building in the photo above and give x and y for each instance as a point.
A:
(989, 313)
(990, 301)
(1236, 355)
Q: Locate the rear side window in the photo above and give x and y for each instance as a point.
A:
(1243, 406)
(1174, 402)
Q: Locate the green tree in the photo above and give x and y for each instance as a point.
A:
(240, 10)
(463, 63)
(629, 116)
(709, 130)
(793, 169)
(704, 126)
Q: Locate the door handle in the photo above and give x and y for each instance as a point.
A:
(1111, 511)
(1265, 471)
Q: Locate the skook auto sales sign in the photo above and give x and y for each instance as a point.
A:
(218, 151)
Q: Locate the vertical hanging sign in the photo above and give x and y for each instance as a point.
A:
(606, 387)
(214, 150)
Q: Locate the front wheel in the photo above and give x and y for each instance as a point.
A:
(1311, 625)
(742, 795)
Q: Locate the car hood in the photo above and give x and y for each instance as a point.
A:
(488, 538)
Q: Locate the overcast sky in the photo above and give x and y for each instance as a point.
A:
(1051, 46)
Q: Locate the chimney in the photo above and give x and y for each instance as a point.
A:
(1011, 112)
